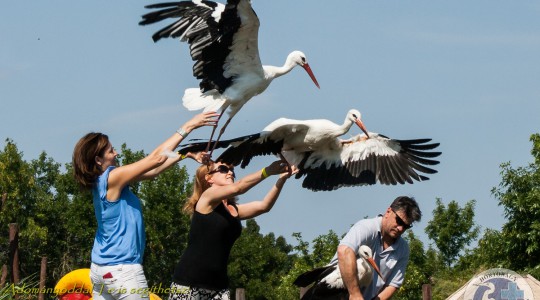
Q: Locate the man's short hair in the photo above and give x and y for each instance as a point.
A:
(408, 206)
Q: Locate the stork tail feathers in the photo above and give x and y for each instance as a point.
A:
(193, 99)
(309, 277)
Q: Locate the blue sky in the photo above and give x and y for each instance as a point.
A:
(465, 73)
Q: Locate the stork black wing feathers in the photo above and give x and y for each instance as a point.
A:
(245, 151)
(200, 146)
(311, 276)
(209, 39)
(319, 291)
(240, 150)
(321, 179)
(323, 292)
(402, 168)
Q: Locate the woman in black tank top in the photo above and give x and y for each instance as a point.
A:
(215, 226)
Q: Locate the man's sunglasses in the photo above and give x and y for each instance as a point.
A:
(400, 221)
(223, 169)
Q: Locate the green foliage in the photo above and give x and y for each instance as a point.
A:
(18, 185)
(417, 273)
(447, 282)
(519, 194)
(258, 262)
(323, 249)
(166, 226)
(516, 246)
(488, 254)
(24, 290)
(56, 220)
(452, 229)
(37, 199)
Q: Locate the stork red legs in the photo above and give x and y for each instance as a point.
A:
(223, 43)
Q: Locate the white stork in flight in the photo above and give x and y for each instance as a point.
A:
(223, 42)
(327, 280)
(329, 162)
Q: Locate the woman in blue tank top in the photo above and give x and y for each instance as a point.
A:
(215, 225)
(116, 270)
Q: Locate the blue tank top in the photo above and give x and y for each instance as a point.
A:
(120, 236)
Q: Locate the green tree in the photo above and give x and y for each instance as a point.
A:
(452, 229)
(418, 270)
(167, 227)
(22, 191)
(519, 194)
(258, 262)
(305, 258)
(18, 184)
(60, 226)
(80, 224)
(487, 254)
(40, 199)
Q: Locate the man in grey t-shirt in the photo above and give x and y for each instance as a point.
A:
(391, 252)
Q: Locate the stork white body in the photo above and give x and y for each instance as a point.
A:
(329, 162)
(249, 81)
(328, 283)
(300, 136)
(365, 271)
(224, 43)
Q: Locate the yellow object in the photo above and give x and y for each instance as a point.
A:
(79, 281)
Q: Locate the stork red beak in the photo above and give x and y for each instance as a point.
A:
(361, 125)
(310, 73)
(374, 266)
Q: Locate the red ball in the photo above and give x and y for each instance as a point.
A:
(75, 296)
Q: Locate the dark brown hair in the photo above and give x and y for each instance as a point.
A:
(85, 169)
(408, 206)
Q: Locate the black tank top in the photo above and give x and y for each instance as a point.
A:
(211, 237)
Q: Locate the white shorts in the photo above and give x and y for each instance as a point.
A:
(126, 282)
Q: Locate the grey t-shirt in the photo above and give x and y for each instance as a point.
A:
(392, 261)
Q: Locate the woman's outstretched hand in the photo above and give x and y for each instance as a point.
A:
(281, 167)
(200, 157)
(208, 118)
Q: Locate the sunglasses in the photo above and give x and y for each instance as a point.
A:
(400, 221)
(223, 169)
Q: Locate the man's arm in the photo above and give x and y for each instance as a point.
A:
(349, 271)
